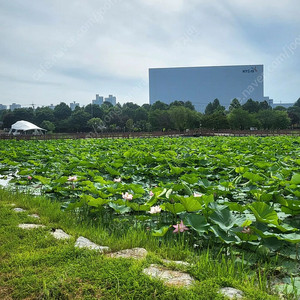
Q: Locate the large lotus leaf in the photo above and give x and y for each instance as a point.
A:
(206, 199)
(291, 237)
(224, 218)
(295, 179)
(137, 207)
(173, 208)
(136, 188)
(290, 206)
(190, 178)
(253, 177)
(175, 170)
(197, 222)
(121, 209)
(112, 171)
(96, 202)
(245, 236)
(190, 203)
(160, 232)
(227, 237)
(264, 213)
(236, 206)
(42, 179)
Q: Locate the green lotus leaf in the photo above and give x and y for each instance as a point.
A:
(197, 222)
(190, 203)
(224, 218)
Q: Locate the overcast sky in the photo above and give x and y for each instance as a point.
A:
(62, 50)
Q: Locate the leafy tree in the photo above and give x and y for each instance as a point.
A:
(160, 119)
(9, 118)
(94, 110)
(214, 107)
(159, 105)
(251, 106)
(48, 125)
(282, 120)
(176, 103)
(294, 115)
(297, 103)
(129, 124)
(44, 114)
(62, 111)
(189, 105)
(241, 119)
(178, 117)
(140, 114)
(235, 103)
(279, 107)
(96, 124)
(264, 105)
(78, 120)
(216, 120)
(146, 106)
(26, 114)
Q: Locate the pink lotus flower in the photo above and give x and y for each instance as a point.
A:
(198, 194)
(151, 194)
(155, 209)
(29, 177)
(118, 179)
(246, 230)
(127, 196)
(180, 227)
(72, 178)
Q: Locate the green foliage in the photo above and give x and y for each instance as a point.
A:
(245, 189)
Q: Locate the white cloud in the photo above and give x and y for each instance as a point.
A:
(81, 48)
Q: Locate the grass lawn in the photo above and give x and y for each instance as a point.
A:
(34, 265)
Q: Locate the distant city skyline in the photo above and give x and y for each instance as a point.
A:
(56, 51)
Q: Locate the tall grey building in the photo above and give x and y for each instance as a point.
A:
(74, 105)
(98, 100)
(111, 99)
(202, 85)
(13, 106)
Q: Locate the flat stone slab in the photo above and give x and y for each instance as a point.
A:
(170, 277)
(30, 226)
(34, 216)
(19, 209)
(83, 242)
(231, 293)
(60, 234)
(136, 253)
(177, 262)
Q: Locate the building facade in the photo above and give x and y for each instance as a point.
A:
(73, 105)
(111, 99)
(13, 106)
(202, 85)
(98, 100)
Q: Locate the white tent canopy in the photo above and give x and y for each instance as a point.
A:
(25, 127)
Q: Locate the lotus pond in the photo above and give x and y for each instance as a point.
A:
(222, 190)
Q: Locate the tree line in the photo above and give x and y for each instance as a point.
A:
(178, 115)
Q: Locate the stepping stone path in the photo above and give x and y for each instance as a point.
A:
(18, 209)
(83, 242)
(170, 277)
(232, 293)
(177, 262)
(60, 234)
(34, 216)
(30, 226)
(136, 253)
